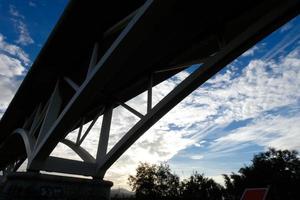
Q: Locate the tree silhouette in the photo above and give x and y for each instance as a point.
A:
(167, 184)
(200, 187)
(277, 169)
(158, 182)
(144, 182)
(154, 182)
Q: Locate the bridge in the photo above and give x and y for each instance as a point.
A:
(103, 53)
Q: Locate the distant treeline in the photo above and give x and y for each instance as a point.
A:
(279, 170)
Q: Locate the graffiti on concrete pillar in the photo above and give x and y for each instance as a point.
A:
(51, 191)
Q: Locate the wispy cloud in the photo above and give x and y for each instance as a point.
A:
(18, 20)
(196, 157)
(250, 52)
(267, 131)
(14, 12)
(13, 51)
(32, 4)
(290, 38)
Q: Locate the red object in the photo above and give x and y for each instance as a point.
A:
(255, 194)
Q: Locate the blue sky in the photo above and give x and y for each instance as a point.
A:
(251, 105)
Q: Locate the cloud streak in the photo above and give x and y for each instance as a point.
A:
(21, 27)
(268, 131)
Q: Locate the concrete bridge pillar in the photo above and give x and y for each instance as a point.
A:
(29, 186)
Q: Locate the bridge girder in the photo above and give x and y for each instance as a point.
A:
(50, 122)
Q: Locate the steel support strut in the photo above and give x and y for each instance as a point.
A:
(72, 110)
(149, 94)
(104, 134)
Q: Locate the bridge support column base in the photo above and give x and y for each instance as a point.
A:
(29, 186)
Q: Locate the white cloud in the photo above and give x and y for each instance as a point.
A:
(289, 39)
(7, 87)
(18, 20)
(13, 51)
(196, 157)
(268, 131)
(250, 52)
(24, 35)
(12, 67)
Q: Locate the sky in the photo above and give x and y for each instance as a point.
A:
(251, 105)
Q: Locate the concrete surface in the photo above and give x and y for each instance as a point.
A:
(31, 186)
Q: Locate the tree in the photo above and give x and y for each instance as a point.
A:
(143, 183)
(277, 169)
(167, 183)
(154, 182)
(200, 187)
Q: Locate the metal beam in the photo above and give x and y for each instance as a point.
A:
(38, 119)
(28, 140)
(53, 111)
(79, 132)
(35, 119)
(71, 83)
(81, 152)
(210, 67)
(130, 109)
(180, 67)
(88, 130)
(104, 134)
(149, 96)
(62, 165)
(30, 120)
(93, 60)
(136, 27)
(120, 25)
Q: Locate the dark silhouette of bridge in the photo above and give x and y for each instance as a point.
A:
(103, 53)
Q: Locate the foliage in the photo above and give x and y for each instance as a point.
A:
(158, 182)
(154, 182)
(200, 187)
(277, 169)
